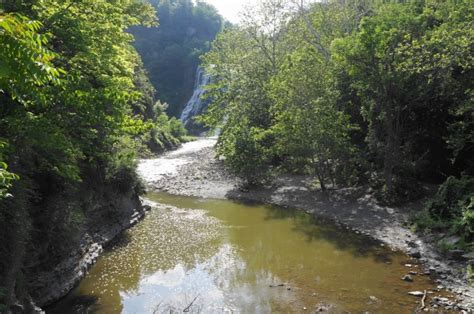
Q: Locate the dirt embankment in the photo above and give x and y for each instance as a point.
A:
(193, 170)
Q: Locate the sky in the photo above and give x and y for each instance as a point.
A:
(229, 8)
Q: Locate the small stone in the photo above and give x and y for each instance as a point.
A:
(416, 293)
(469, 256)
(413, 273)
(412, 244)
(305, 308)
(373, 298)
(414, 253)
(442, 300)
(288, 288)
(407, 278)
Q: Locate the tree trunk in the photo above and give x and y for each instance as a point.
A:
(392, 146)
(389, 157)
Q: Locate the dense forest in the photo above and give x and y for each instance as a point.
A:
(171, 53)
(76, 109)
(353, 93)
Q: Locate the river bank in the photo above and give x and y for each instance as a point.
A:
(50, 286)
(193, 170)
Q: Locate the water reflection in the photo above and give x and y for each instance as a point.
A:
(214, 255)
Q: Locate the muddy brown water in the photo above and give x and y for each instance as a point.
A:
(214, 256)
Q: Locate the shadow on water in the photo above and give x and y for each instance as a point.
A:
(120, 241)
(319, 228)
(81, 304)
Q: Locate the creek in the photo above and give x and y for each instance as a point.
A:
(214, 256)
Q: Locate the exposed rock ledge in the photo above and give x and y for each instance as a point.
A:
(50, 286)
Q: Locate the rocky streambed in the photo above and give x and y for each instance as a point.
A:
(193, 170)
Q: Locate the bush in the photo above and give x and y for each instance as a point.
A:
(164, 135)
(451, 209)
(247, 152)
(177, 128)
(121, 166)
(452, 199)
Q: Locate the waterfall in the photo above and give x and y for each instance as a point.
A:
(196, 105)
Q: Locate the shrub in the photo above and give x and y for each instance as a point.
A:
(177, 128)
(451, 209)
(452, 199)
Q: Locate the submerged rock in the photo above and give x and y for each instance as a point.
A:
(407, 278)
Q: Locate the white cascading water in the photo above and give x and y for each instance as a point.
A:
(196, 105)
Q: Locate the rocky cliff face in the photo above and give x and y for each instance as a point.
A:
(49, 286)
(108, 210)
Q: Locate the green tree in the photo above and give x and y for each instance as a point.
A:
(25, 65)
(311, 133)
(243, 61)
(409, 65)
(68, 89)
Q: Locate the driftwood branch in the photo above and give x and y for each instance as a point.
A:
(155, 310)
(190, 304)
(423, 300)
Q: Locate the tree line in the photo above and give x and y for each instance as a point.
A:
(353, 93)
(76, 107)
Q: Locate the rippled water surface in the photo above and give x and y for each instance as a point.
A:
(213, 256)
